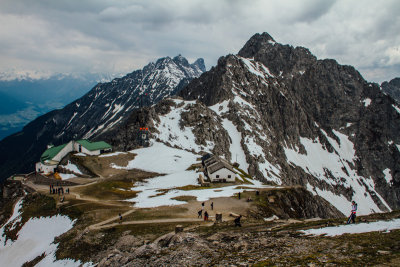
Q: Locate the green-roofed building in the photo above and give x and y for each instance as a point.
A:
(54, 154)
(93, 148)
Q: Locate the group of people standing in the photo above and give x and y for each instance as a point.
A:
(57, 190)
(206, 215)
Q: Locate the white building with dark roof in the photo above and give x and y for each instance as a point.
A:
(219, 170)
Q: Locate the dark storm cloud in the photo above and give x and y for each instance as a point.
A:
(122, 35)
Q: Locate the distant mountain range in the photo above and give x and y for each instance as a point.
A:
(105, 106)
(22, 99)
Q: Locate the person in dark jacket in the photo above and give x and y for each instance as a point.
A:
(352, 217)
(237, 221)
(205, 216)
(200, 214)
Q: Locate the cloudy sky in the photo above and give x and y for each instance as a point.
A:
(120, 36)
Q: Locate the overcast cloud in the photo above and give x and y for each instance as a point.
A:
(120, 36)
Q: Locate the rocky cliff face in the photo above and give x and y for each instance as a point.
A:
(288, 118)
(105, 106)
(392, 88)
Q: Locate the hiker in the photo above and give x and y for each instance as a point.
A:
(239, 195)
(67, 190)
(202, 206)
(205, 216)
(212, 205)
(237, 221)
(120, 217)
(200, 214)
(50, 189)
(352, 217)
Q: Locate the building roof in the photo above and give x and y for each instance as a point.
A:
(50, 153)
(211, 161)
(218, 166)
(214, 159)
(93, 145)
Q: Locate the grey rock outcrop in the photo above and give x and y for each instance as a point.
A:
(392, 88)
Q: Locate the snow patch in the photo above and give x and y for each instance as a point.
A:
(388, 176)
(170, 130)
(356, 228)
(220, 107)
(66, 176)
(235, 148)
(161, 159)
(112, 154)
(269, 171)
(367, 102)
(396, 108)
(34, 238)
(335, 169)
(72, 167)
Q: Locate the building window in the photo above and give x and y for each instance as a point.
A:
(217, 176)
(229, 176)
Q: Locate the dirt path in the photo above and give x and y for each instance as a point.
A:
(174, 220)
(102, 224)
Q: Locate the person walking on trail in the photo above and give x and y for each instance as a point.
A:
(202, 206)
(239, 195)
(237, 221)
(120, 217)
(212, 205)
(205, 216)
(200, 214)
(352, 217)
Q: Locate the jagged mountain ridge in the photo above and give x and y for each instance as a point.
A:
(104, 106)
(392, 88)
(288, 118)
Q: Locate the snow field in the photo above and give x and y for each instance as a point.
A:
(72, 167)
(34, 238)
(66, 176)
(317, 161)
(356, 228)
(171, 132)
(174, 163)
(235, 148)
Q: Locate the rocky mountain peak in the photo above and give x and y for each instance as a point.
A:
(278, 58)
(179, 59)
(200, 64)
(392, 88)
(256, 42)
(304, 121)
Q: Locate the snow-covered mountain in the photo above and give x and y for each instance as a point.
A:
(289, 119)
(106, 105)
